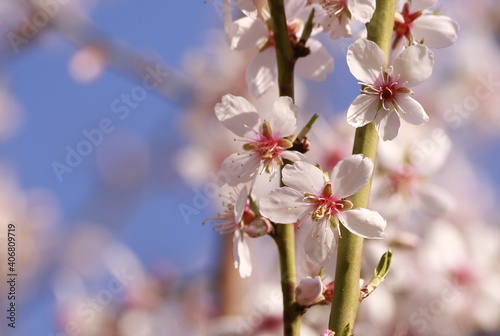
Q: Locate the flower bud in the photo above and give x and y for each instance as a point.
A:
(309, 291)
(258, 227)
(248, 214)
(327, 332)
(328, 293)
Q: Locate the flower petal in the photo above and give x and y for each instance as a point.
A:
(240, 168)
(293, 156)
(317, 64)
(387, 124)
(241, 255)
(338, 28)
(412, 112)
(282, 117)
(350, 175)
(304, 177)
(361, 10)
(247, 7)
(237, 114)
(435, 201)
(246, 33)
(437, 31)
(284, 205)
(309, 290)
(240, 204)
(320, 242)
(365, 60)
(414, 64)
(362, 110)
(262, 72)
(364, 223)
(420, 5)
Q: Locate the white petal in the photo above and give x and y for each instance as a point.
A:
(413, 112)
(247, 7)
(361, 10)
(246, 33)
(293, 156)
(240, 168)
(304, 177)
(241, 255)
(339, 29)
(350, 175)
(365, 60)
(317, 64)
(282, 117)
(241, 202)
(237, 114)
(320, 242)
(438, 31)
(294, 7)
(436, 201)
(420, 5)
(390, 155)
(414, 64)
(430, 158)
(387, 124)
(364, 223)
(284, 205)
(362, 110)
(262, 72)
(309, 290)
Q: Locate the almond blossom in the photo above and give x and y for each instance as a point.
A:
(385, 96)
(312, 200)
(250, 32)
(415, 23)
(232, 220)
(264, 136)
(403, 189)
(336, 15)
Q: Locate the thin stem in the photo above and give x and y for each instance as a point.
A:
(284, 49)
(284, 234)
(346, 291)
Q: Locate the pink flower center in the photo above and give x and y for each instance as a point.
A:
(404, 180)
(403, 25)
(327, 205)
(334, 7)
(267, 146)
(387, 88)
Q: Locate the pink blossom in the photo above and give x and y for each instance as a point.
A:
(385, 96)
(314, 201)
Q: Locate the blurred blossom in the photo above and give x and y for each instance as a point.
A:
(402, 190)
(35, 213)
(88, 63)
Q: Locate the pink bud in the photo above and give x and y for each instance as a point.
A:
(258, 227)
(328, 293)
(327, 332)
(309, 291)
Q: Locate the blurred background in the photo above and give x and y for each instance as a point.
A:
(108, 147)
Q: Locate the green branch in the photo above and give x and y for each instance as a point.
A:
(346, 292)
(284, 234)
